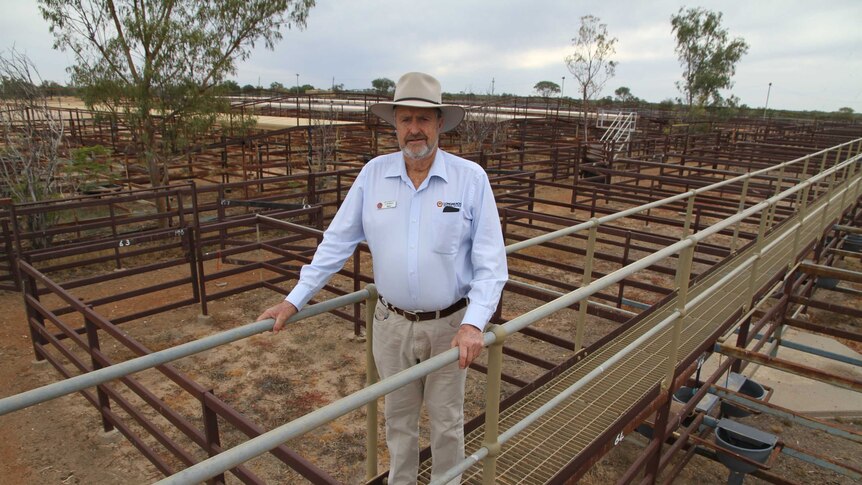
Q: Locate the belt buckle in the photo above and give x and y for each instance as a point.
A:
(413, 316)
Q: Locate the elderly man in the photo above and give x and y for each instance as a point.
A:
(431, 223)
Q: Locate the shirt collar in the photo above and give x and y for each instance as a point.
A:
(438, 168)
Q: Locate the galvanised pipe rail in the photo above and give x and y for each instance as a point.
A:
(690, 241)
(694, 192)
(261, 444)
(100, 376)
(535, 415)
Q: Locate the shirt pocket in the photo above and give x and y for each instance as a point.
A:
(447, 230)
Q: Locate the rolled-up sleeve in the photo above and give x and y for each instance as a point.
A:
(340, 239)
(488, 256)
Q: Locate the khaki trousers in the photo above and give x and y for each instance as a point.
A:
(399, 344)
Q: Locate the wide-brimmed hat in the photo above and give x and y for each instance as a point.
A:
(419, 90)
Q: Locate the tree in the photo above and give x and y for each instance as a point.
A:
(301, 89)
(230, 86)
(155, 64)
(845, 113)
(276, 86)
(32, 143)
(591, 63)
(707, 55)
(546, 88)
(624, 94)
(483, 127)
(383, 85)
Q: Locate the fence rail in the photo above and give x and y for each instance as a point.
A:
(815, 203)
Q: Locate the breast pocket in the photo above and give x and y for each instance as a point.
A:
(448, 227)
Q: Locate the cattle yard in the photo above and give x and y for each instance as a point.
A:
(655, 214)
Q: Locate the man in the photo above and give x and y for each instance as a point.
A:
(439, 263)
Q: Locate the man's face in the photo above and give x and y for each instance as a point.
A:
(418, 130)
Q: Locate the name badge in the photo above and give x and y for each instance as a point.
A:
(386, 204)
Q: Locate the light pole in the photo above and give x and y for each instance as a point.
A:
(297, 99)
(767, 100)
(562, 89)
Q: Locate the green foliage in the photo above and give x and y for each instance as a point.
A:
(706, 53)
(383, 85)
(86, 168)
(229, 87)
(301, 89)
(624, 94)
(158, 63)
(546, 88)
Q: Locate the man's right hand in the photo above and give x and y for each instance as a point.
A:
(280, 313)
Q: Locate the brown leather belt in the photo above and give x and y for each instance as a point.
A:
(421, 316)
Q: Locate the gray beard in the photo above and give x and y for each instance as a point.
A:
(419, 155)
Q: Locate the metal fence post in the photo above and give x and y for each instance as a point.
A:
(741, 207)
(802, 212)
(34, 317)
(689, 210)
(758, 250)
(683, 276)
(93, 348)
(587, 279)
(777, 191)
(371, 377)
(822, 168)
(492, 405)
(211, 432)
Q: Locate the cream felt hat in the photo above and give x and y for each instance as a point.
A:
(419, 90)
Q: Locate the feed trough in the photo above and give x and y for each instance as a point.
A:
(745, 386)
(743, 440)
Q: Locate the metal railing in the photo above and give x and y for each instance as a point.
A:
(817, 199)
(620, 129)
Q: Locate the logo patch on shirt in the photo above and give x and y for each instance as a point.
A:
(449, 206)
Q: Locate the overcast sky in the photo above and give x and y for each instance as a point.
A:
(811, 51)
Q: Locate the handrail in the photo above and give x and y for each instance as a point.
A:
(100, 376)
(263, 443)
(674, 198)
(235, 456)
(621, 127)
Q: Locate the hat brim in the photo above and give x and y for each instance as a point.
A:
(452, 114)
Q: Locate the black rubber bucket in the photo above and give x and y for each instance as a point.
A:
(743, 440)
(749, 388)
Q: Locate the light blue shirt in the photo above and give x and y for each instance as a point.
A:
(430, 247)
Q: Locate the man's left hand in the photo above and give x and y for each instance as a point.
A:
(469, 342)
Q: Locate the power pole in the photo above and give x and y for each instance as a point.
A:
(765, 106)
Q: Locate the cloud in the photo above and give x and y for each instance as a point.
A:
(645, 43)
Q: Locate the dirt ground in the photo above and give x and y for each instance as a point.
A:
(274, 379)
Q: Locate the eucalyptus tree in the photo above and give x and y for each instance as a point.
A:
(591, 62)
(546, 88)
(707, 54)
(157, 65)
